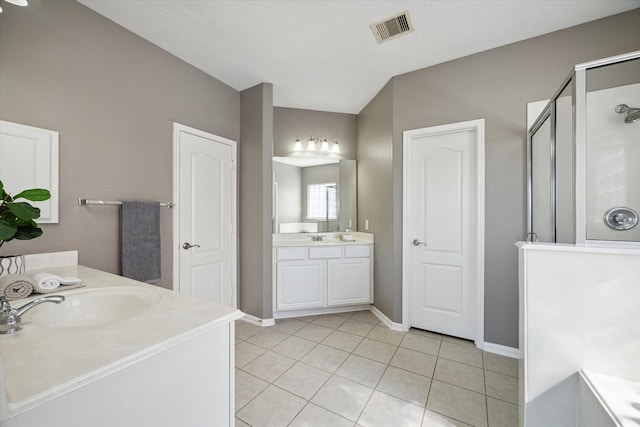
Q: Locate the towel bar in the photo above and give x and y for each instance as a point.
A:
(85, 202)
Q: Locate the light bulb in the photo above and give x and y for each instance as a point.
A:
(335, 148)
(311, 145)
(297, 146)
(18, 2)
(325, 145)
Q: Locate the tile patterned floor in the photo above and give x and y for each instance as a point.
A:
(350, 370)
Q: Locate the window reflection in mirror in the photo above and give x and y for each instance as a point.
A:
(314, 195)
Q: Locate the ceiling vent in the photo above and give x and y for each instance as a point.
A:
(392, 27)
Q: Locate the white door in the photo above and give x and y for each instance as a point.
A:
(205, 241)
(442, 221)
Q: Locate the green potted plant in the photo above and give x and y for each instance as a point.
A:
(17, 221)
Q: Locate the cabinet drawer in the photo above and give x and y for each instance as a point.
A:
(360, 251)
(325, 252)
(291, 253)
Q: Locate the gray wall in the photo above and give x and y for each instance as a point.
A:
(495, 85)
(292, 123)
(348, 195)
(113, 97)
(375, 197)
(256, 175)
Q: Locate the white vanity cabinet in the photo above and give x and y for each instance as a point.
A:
(301, 284)
(349, 278)
(323, 276)
(169, 363)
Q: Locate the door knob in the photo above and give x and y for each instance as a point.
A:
(187, 245)
(417, 242)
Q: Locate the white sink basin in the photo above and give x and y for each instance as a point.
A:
(93, 307)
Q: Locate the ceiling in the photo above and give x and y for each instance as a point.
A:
(321, 54)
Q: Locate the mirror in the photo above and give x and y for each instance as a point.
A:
(29, 159)
(312, 195)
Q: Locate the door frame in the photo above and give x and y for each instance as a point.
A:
(407, 144)
(177, 128)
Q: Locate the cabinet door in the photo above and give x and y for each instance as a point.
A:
(300, 284)
(349, 281)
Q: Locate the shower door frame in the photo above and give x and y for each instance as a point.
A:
(577, 78)
(547, 113)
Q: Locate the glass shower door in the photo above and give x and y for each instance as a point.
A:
(541, 224)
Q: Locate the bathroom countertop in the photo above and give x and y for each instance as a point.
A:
(329, 239)
(628, 248)
(40, 363)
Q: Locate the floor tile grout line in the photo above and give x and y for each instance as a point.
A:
(501, 373)
(486, 400)
(331, 375)
(254, 397)
(387, 365)
(334, 374)
(374, 388)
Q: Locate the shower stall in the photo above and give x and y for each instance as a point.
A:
(583, 157)
(578, 302)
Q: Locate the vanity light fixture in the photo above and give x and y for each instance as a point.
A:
(17, 3)
(317, 144)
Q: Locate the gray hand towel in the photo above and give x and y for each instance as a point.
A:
(141, 241)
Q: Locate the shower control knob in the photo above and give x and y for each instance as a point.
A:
(187, 245)
(621, 218)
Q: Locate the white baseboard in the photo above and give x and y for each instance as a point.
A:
(319, 311)
(500, 349)
(257, 321)
(384, 319)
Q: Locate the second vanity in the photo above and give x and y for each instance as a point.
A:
(118, 353)
(315, 276)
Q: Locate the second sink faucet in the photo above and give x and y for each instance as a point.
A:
(10, 317)
(317, 237)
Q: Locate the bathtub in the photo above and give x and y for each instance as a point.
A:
(605, 401)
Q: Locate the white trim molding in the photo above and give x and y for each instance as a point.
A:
(387, 322)
(257, 321)
(500, 349)
(286, 314)
(479, 127)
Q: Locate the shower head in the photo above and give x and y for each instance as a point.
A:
(633, 114)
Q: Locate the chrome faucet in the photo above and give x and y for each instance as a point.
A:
(10, 317)
(317, 237)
